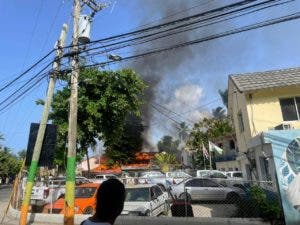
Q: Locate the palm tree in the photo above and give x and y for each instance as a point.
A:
(219, 113)
(224, 96)
(164, 160)
(183, 131)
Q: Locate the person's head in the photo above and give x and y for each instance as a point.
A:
(110, 200)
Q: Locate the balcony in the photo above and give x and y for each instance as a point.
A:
(228, 156)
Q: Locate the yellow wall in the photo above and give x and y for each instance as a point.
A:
(264, 111)
(261, 113)
(238, 103)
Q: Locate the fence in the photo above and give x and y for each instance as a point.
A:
(180, 196)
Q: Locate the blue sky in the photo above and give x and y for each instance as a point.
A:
(30, 29)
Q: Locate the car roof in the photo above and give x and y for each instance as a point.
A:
(140, 186)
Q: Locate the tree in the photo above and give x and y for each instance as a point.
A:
(166, 144)
(9, 163)
(22, 154)
(183, 131)
(219, 112)
(105, 98)
(224, 96)
(129, 143)
(205, 130)
(164, 160)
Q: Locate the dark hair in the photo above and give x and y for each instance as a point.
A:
(110, 199)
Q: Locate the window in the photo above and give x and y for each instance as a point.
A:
(290, 108)
(209, 183)
(194, 183)
(158, 191)
(241, 122)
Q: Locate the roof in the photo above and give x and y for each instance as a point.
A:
(139, 185)
(267, 79)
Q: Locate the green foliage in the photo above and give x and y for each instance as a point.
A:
(167, 144)
(105, 98)
(269, 208)
(259, 204)
(205, 130)
(164, 160)
(9, 163)
(123, 151)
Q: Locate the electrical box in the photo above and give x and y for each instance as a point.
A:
(84, 29)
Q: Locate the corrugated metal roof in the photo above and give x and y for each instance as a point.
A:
(268, 79)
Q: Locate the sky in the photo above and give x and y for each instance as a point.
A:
(184, 80)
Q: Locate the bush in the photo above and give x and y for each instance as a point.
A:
(260, 203)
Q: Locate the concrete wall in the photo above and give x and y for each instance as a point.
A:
(39, 218)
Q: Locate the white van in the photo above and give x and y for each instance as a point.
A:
(234, 175)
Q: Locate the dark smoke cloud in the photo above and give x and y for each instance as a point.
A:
(154, 69)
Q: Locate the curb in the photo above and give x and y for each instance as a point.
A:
(124, 220)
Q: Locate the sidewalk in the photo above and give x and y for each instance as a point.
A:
(5, 185)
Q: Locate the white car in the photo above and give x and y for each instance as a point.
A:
(145, 200)
(102, 177)
(211, 174)
(176, 177)
(238, 175)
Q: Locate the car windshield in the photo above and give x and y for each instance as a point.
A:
(137, 195)
(237, 175)
(84, 192)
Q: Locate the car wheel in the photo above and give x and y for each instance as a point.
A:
(166, 208)
(147, 213)
(88, 210)
(233, 197)
(186, 196)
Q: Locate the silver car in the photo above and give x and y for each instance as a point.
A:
(205, 189)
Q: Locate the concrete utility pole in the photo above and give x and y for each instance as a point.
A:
(42, 127)
(72, 131)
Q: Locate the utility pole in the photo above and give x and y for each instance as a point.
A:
(42, 126)
(72, 130)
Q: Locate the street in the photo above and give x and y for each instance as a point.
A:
(4, 197)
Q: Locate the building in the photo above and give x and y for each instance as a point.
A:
(257, 103)
(227, 161)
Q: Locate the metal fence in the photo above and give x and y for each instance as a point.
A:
(197, 197)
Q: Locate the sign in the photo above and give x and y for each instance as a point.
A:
(286, 155)
(48, 147)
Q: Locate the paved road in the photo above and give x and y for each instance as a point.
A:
(4, 197)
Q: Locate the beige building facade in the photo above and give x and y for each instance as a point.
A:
(259, 102)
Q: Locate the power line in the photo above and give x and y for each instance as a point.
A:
(26, 71)
(24, 85)
(270, 22)
(261, 4)
(159, 26)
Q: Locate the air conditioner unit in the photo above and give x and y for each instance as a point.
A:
(284, 126)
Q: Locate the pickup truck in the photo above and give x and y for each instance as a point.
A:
(46, 192)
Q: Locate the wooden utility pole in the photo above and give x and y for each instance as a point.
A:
(42, 127)
(72, 131)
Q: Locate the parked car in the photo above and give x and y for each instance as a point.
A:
(211, 174)
(49, 191)
(154, 177)
(204, 189)
(236, 175)
(175, 177)
(103, 177)
(85, 200)
(145, 200)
